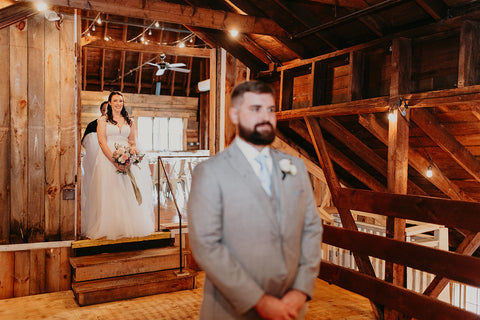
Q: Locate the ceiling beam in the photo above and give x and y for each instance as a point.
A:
(417, 161)
(432, 128)
(433, 8)
(362, 150)
(359, 4)
(176, 13)
(339, 158)
(98, 42)
(442, 98)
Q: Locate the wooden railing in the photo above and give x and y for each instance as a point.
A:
(458, 266)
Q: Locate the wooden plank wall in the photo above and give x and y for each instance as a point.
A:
(37, 154)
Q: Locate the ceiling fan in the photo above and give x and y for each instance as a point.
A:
(162, 66)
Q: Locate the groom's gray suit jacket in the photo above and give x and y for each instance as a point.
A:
(247, 242)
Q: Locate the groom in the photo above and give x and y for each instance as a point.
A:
(253, 222)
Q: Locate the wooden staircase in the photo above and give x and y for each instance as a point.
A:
(111, 276)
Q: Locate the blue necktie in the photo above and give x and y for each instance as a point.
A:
(264, 175)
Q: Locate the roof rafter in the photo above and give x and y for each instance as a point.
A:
(98, 42)
(179, 14)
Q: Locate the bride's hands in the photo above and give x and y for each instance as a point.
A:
(121, 167)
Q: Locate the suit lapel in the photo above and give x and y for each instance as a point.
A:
(247, 176)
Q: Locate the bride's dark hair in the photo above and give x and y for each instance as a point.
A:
(124, 112)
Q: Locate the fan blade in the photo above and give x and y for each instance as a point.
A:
(179, 70)
(160, 72)
(176, 65)
(152, 64)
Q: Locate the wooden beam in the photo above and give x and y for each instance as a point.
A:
(416, 160)
(363, 262)
(361, 149)
(339, 158)
(18, 189)
(452, 213)
(358, 4)
(457, 267)
(398, 137)
(5, 136)
(403, 300)
(433, 8)
(468, 59)
(430, 125)
(97, 42)
(441, 98)
(468, 246)
(179, 14)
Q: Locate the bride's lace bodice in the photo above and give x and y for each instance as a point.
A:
(117, 135)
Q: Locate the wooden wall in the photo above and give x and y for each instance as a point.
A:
(38, 133)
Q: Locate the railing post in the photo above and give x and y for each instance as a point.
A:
(178, 212)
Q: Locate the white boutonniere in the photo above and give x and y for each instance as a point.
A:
(287, 167)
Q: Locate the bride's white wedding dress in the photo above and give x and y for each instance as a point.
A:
(111, 208)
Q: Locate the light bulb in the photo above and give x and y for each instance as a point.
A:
(234, 33)
(99, 21)
(429, 173)
(106, 38)
(41, 6)
(93, 28)
(142, 39)
(392, 116)
(149, 32)
(181, 45)
(157, 24)
(88, 34)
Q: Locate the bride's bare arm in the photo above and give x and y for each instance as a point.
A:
(102, 138)
(131, 136)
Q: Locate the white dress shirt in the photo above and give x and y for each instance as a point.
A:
(250, 152)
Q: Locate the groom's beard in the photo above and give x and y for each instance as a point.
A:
(258, 138)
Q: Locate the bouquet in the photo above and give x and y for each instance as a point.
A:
(127, 155)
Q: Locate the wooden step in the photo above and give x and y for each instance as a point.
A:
(107, 265)
(132, 286)
(103, 242)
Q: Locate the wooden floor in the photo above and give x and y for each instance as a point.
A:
(330, 302)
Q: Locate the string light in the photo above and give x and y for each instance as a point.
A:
(429, 172)
(234, 33)
(190, 38)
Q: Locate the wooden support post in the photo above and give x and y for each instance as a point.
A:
(398, 135)
(52, 134)
(18, 123)
(357, 74)
(468, 56)
(68, 132)
(36, 130)
(363, 262)
(212, 102)
(4, 138)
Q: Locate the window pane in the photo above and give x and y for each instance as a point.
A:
(175, 141)
(144, 126)
(160, 134)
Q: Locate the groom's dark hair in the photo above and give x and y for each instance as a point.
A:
(250, 86)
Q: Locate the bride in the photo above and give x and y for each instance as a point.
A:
(113, 209)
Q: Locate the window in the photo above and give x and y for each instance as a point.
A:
(160, 134)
